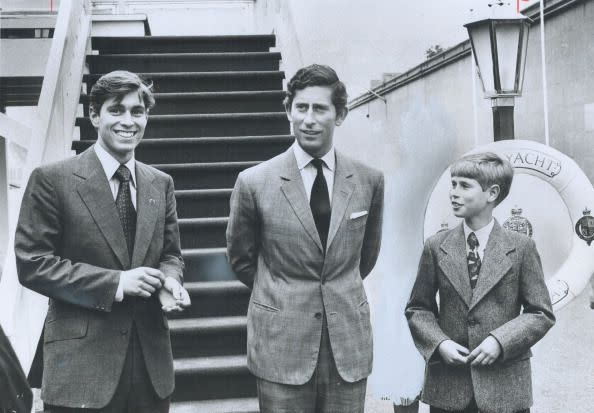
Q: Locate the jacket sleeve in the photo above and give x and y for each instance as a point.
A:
(37, 241)
(421, 310)
(171, 263)
(519, 334)
(373, 230)
(243, 233)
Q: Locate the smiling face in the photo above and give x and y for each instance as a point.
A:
(471, 202)
(314, 118)
(120, 125)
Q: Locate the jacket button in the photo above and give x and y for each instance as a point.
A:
(471, 322)
(318, 315)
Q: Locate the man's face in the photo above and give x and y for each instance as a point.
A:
(120, 125)
(314, 117)
(468, 198)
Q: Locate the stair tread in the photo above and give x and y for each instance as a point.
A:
(204, 95)
(207, 165)
(196, 252)
(211, 365)
(190, 193)
(216, 287)
(241, 405)
(205, 140)
(203, 221)
(211, 55)
(220, 73)
(148, 39)
(198, 116)
(207, 324)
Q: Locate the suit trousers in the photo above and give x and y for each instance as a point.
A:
(325, 392)
(471, 408)
(134, 392)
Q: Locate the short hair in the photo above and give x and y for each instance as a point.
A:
(118, 84)
(318, 75)
(487, 169)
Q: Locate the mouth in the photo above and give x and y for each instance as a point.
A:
(456, 205)
(126, 134)
(310, 132)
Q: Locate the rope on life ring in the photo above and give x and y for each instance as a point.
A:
(576, 191)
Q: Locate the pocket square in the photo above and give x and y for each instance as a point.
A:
(355, 215)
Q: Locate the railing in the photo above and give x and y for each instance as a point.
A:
(23, 311)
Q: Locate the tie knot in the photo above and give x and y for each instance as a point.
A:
(123, 174)
(473, 242)
(318, 163)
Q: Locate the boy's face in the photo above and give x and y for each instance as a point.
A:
(314, 117)
(120, 125)
(468, 198)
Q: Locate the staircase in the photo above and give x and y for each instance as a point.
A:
(219, 111)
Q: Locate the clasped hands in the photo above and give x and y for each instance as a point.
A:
(144, 281)
(483, 355)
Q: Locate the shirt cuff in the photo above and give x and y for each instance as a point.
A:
(119, 296)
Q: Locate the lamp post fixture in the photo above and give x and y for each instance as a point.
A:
(499, 46)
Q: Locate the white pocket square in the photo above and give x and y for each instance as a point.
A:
(355, 215)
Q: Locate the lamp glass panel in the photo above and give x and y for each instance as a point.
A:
(481, 39)
(508, 40)
(522, 65)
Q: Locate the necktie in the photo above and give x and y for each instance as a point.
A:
(320, 202)
(474, 261)
(125, 207)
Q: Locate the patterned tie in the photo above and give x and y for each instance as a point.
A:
(320, 202)
(125, 207)
(474, 261)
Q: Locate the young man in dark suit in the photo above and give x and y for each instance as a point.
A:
(98, 235)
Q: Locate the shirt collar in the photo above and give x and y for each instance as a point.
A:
(110, 164)
(481, 234)
(303, 158)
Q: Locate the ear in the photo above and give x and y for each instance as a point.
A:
(493, 193)
(341, 116)
(94, 118)
(288, 111)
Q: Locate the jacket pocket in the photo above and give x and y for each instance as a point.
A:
(65, 329)
(265, 307)
(357, 222)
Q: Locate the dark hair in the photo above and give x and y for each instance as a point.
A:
(118, 84)
(487, 169)
(318, 75)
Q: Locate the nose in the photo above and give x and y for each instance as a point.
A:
(126, 118)
(453, 192)
(309, 117)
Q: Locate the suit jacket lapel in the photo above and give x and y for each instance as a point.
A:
(98, 198)
(294, 191)
(495, 263)
(147, 200)
(454, 263)
(342, 192)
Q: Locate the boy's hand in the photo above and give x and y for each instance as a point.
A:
(486, 353)
(453, 353)
(173, 296)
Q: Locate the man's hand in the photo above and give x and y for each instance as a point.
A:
(173, 296)
(486, 353)
(453, 353)
(141, 281)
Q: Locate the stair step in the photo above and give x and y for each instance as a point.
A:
(216, 299)
(213, 102)
(171, 62)
(203, 232)
(223, 149)
(207, 264)
(208, 337)
(184, 44)
(245, 405)
(207, 81)
(202, 202)
(20, 90)
(207, 378)
(206, 175)
(215, 125)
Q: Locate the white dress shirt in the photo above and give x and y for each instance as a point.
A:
(309, 172)
(481, 234)
(110, 166)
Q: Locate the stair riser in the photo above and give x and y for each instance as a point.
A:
(211, 267)
(104, 64)
(180, 128)
(203, 236)
(108, 46)
(204, 178)
(197, 387)
(224, 343)
(203, 207)
(216, 306)
(273, 81)
(236, 105)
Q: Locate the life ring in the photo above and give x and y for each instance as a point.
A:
(574, 189)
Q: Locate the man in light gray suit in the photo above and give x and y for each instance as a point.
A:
(304, 230)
